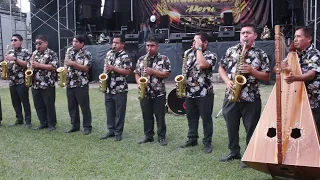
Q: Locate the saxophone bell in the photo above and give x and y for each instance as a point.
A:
(104, 76)
(181, 79)
(29, 72)
(4, 65)
(143, 80)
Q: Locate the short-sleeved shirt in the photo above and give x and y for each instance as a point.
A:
(255, 57)
(156, 86)
(15, 70)
(117, 83)
(42, 78)
(77, 78)
(310, 60)
(199, 81)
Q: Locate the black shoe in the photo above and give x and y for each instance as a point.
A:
(52, 128)
(15, 124)
(189, 144)
(163, 142)
(28, 126)
(40, 127)
(73, 130)
(145, 139)
(243, 165)
(230, 157)
(207, 149)
(86, 131)
(118, 138)
(108, 135)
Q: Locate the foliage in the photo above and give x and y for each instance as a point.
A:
(5, 4)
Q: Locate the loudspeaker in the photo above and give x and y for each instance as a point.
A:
(160, 37)
(89, 11)
(40, 3)
(131, 38)
(164, 21)
(176, 37)
(228, 18)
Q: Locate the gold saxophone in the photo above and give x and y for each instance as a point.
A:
(4, 65)
(181, 79)
(29, 72)
(143, 80)
(62, 81)
(239, 79)
(104, 76)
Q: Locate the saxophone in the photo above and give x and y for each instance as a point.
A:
(143, 80)
(239, 79)
(29, 72)
(104, 76)
(181, 79)
(4, 65)
(63, 70)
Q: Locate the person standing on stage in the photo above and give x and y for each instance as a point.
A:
(118, 65)
(310, 65)
(153, 104)
(255, 68)
(200, 93)
(17, 63)
(44, 63)
(78, 62)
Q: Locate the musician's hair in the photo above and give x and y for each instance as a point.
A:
(251, 26)
(42, 37)
(80, 38)
(122, 38)
(152, 39)
(204, 36)
(308, 31)
(18, 36)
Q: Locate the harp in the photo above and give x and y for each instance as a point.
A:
(285, 142)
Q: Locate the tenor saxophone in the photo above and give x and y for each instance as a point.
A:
(239, 79)
(143, 80)
(62, 71)
(181, 79)
(4, 65)
(104, 76)
(29, 72)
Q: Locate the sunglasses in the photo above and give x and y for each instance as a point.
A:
(150, 45)
(14, 40)
(39, 43)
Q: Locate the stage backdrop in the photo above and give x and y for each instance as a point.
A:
(205, 14)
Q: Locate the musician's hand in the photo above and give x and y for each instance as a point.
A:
(246, 69)
(109, 68)
(35, 64)
(229, 84)
(69, 63)
(291, 78)
(198, 43)
(10, 58)
(149, 71)
(284, 65)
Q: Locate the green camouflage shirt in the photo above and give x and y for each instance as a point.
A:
(16, 71)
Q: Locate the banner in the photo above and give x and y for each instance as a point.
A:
(205, 14)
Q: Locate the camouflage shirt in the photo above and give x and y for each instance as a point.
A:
(255, 57)
(156, 86)
(310, 60)
(117, 83)
(199, 81)
(16, 71)
(41, 78)
(77, 78)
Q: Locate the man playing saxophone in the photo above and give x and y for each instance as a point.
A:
(17, 63)
(253, 64)
(118, 67)
(44, 64)
(200, 94)
(78, 62)
(155, 67)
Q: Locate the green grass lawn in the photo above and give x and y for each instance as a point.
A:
(30, 154)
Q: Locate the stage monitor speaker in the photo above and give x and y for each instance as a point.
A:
(160, 37)
(176, 37)
(131, 38)
(164, 21)
(40, 3)
(228, 19)
(188, 37)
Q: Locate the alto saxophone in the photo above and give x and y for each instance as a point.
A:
(63, 70)
(4, 65)
(239, 79)
(181, 79)
(29, 72)
(143, 80)
(104, 76)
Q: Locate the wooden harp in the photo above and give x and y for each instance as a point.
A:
(285, 142)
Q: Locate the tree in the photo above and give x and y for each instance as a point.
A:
(5, 4)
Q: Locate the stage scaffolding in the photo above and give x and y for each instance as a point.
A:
(64, 29)
(312, 17)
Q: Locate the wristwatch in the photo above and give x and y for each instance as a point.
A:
(199, 48)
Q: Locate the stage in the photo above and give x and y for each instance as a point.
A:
(174, 51)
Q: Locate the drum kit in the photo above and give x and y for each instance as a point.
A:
(176, 105)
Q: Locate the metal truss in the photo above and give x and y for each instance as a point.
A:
(312, 17)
